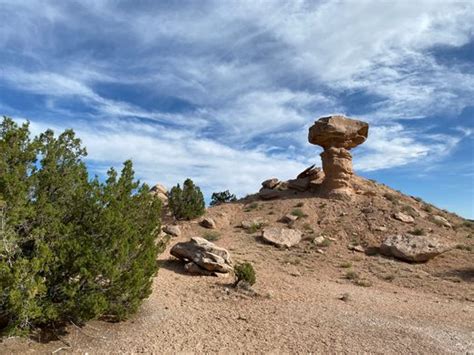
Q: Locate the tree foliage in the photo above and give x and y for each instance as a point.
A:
(71, 248)
(187, 202)
(222, 197)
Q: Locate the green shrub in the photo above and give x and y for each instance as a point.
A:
(346, 265)
(299, 204)
(417, 231)
(298, 213)
(188, 202)
(254, 227)
(222, 197)
(251, 207)
(245, 272)
(211, 236)
(352, 275)
(72, 249)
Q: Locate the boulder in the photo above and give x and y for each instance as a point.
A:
(319, 240)
(203, 253)
(412, 248)
(208, 222)
(440, 220)
(159, 188)
(173, 230)
(288, 218)
(403, 217)
(312, 173)
(270, 183)
(282, 237)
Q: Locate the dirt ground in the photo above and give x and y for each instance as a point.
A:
(305, 302)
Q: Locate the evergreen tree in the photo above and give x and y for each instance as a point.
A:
(188, 202)
(70, 248)
(222, 197)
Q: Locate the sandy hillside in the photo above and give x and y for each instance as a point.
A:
(306, 300)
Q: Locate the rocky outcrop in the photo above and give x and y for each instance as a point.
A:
(337, 135)
(412, 248)
(160, 192)
(402, 217)
(282, 237)
(204, 254)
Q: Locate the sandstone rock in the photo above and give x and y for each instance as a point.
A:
(270, 183)
(172, 230)
(301, 184)
(204, 254)
(337, 134)
(282, 186)
(413, 248)
(208, 222)
(312, 173)
(440, 220)
(268, 194)
(159, 188)
(319, 240)
(193, 268)
(380, 229)
(282, 237)
(288, 218)
(356, 247)
(403, 217)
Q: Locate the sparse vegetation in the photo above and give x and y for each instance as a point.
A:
(188, 202)
(346, 265)
(464, 247)
(417, 231)
(427, 208)
(363, 282)
(245, 272)
(299, 204)
(254, 227)
(325, 243)
(308, 228)
(391, 197)
(250, 207)
(351, 275)
(389, 277)
(298, 213)
(211, 236)
(222, 197)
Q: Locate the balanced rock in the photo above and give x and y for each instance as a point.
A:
(203, 253)
(175, 231)
(208, 223)
(337, 135)
(282, 237)
(412, 248)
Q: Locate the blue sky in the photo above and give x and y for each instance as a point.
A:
(224, 91)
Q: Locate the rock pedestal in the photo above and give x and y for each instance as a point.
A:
(337, 135)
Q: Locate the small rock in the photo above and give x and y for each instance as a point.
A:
(270, 183)
(412, 248)
(403, 217)
(367, 210)
(320, 251)
(295, 273)
(288, 218)
(208, 223)
(319, 240)
(175, 231)
(344, 297)
(441, 221)
(282, 237)
(356, 247)
(380, 229)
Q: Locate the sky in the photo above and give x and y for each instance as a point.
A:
(224, 92)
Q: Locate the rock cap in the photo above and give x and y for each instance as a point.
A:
(338, 131)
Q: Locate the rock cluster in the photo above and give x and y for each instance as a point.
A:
(308, 180)
(202, 257)
(337, 135)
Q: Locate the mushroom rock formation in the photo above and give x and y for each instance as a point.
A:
(337, 135)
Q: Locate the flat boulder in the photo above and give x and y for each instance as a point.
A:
(440, 220)
(402, 217)
(268, 194)
(282, 237)
(204, 254)
(301, 184)
(412, 248)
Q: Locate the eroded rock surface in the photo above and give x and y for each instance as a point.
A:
(412, 248)
(337, 135)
